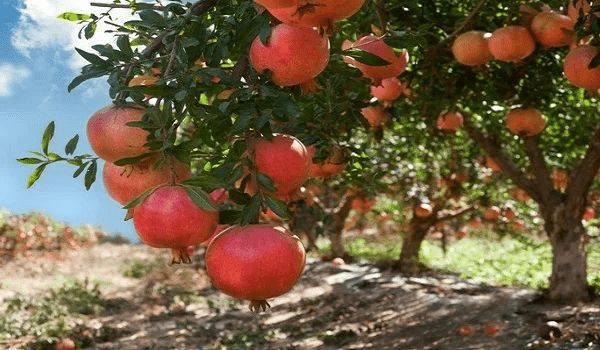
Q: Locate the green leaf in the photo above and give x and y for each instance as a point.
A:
(366, 57)
(251, 211)
(90, 30)
(29, 161)
(278, 207)
(35, 175)
(80, 169)
(83, 77)
(132, 160)
(230, 217)
(90, 175)
(47, 137)
(266, 182)
(200, 198)
(72, 145)
(139, 199)
(73, 17)
(90, 57)
(124, 46)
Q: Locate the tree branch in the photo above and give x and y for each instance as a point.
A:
(540, 169)
(583, 175)
(494, 150)
(465, 23)
(455, 214)
(122, 6)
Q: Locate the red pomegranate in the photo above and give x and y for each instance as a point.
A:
(511, 44)
(255, 262)
(491, 164)
(491, 329)
(509, 214)
(388, 90)
(423, 210)
(450, 121)
(317, 13)
(168, 218)
(126, 183)
(518, 225)
(275, 4)
(334, 164)
(492, 213)
(363, 205)
(552, 29)
(519, 194)
(577, 68)
(65, 344)
(589, 214)
(476, 222)
(285, 160)
(378, 47)
(525, 121)
(462, 233)
(466, 330)
(338, 262)
(110, 137)
(375, 115)
(293, 55)
(471, 48)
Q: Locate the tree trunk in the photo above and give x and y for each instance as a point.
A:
(411, 245)
(568, 281)
(335, 229)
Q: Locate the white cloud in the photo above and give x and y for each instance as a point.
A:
(11, 76)
(39, 28)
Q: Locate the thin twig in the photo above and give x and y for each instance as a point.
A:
(122, 6)
(465, 23)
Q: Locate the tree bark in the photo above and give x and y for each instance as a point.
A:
(335, 229)
(411, 245)
(568, 281)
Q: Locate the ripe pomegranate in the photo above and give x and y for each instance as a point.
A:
(274, 4)
(511, 44)
(363, 205)
(519, 194)
(126, 183)
(492, 213)
(476, 222)
(525, 121)
(491, 329)
(509, 214)
(293, 55)
(471, 48)
(110, 137)
(466, 330)
(491, 164)
(450, 121)
(255, 262)
(423, 210)
(338, 262)
(577, 69)
(317, 13)
(168, 218)
(378, 47)
(560, 179)
(589, 214)
(553, 29)
(389, 89)
(285, 160)
(334, 164)
(462, 233)
(518, 225)
(65, 344)
(375, 115)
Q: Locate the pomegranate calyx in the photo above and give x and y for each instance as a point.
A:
(258, 306)
(180, 256)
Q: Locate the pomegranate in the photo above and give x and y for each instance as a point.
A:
(471, 48)
(317, 13)
(293, 55)
(519, 194)
(509, 214)
(577, 68)
(338, 262)
(476, 222)
(389, 89)
(220, 195)
(255, 262)
(450, 121)
(168, 218)
(126, 183)
(560, 179)
(462, 233)
(491, 329)
(334, 164)
(285, 160)
(423, 210)
(518, 225)
(511, 44)
(378, 47)
(589, 214)
(552, 29)
(363, 205)
(492, 213)
(466, 330)
(110, 137)
(525, 121)
(491, 164)
(65, 344)
(375, 115)
(275, 4)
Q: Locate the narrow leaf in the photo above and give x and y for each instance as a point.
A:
(200, 198)
(90, 175)
(35, 175)
(251, 211)
(139, 199)
(80, 169)
(29, 161)
(277, 207)
(366, 57)
(266, 182)
(47, 137)
(73, 17)
(72, 145)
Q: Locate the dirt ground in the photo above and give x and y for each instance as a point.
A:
(356, 306)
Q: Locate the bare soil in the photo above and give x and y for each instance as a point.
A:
(356, 306)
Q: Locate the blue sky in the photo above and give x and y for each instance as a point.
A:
(36, 64)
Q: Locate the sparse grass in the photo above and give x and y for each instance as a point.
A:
(50, 316)
(137, 268)
(506, 262)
